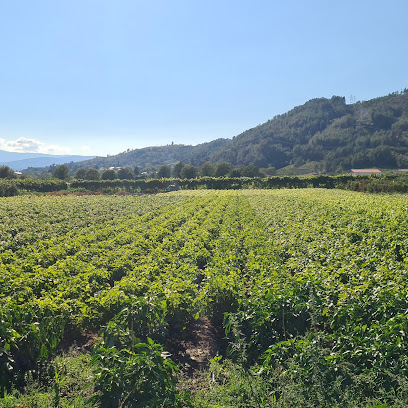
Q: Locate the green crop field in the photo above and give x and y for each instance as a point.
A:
(293, 298)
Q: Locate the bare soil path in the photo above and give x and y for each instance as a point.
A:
(194, 349)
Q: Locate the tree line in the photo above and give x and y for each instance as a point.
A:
(178, 170)
(231, 179)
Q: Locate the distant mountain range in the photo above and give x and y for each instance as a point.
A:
(22, 161)
(329, 133)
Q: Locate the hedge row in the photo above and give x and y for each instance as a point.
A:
(222, 183)
(12, 187)
(391, 183)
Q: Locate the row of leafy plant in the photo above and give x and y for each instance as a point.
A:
(309, 286)
(56, 287)
(326, 312)
(49, 270)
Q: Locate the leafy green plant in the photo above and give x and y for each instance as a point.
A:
(132, 373)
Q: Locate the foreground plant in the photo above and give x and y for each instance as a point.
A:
(129, 372)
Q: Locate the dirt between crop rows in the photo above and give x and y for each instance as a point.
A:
(196, 346)
(192, 348)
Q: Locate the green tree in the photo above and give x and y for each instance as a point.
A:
(125, 173)
(6, 172)
(222, 169)
(61, 172)
(268, 171)
(164, 172)
(136, 171)
(250, 171)
(188, 172)
(80, 173)
(92, 174)
(235, 173)
(177, 169)
(109, 174)
(207, 170)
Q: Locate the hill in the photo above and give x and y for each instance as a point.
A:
(329, 132)
(20, 161)
(326, 134)
(151, 157)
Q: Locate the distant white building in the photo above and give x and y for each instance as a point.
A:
(364, 172)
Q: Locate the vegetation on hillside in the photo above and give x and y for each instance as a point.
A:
(329, 133)
(152, 157)
(335, 135)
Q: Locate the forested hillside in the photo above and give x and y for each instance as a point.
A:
(332, 134)
(336, 135)
(157, 156)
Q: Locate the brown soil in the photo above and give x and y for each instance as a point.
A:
(82, 342)
(196, 346)
(192, 348)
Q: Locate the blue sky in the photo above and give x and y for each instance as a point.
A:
(99, 77)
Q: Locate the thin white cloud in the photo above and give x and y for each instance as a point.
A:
(26, 145)
(55, 149)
